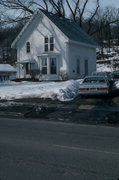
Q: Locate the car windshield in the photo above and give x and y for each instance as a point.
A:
(99, 74)
(94, 80)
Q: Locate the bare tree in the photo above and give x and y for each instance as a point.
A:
(16, 10)
(77, 9)
(58, 6)
(93, 14)
(104, 18)
(26, 8)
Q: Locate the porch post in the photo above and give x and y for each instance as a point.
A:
(48, 65)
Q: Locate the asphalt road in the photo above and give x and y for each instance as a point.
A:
(42, 150)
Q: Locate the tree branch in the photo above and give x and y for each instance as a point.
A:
(92, 17)
(82, 12)
(104, 26)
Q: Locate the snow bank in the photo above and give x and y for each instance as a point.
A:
(116, 84)
(102, 68)
(63, 91)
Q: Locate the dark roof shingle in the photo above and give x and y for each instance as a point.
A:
(70, 28)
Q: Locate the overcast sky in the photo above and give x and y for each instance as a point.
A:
(114, 3)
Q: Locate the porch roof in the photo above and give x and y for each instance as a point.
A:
(29, 61)
(49, 54)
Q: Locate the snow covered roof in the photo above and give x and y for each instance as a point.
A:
(7, 68)
(71, 29)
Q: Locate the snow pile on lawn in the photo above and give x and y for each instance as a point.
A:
(63, 91)
(109, 60)
(104, 68)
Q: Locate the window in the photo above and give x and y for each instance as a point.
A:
(44, 65)
(51, 43)
(86, 67)
(28, 47)
(46, 44)
(78, 66)
(53, 66)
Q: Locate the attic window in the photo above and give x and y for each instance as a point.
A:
(28, 47)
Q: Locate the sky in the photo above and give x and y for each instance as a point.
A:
(105, 3)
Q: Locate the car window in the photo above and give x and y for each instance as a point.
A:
(115, 75)
(94, 80)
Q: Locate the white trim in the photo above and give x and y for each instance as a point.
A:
(37, 12)
(49, 54)
(48, 64)
(30, 61)
(82, 44)
(25, 27)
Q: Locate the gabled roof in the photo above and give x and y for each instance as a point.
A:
(71, 29)
(7, 68)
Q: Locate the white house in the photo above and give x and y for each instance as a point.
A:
(54, 48)
(7, 72)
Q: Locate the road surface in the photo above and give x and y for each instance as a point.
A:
(43, 150)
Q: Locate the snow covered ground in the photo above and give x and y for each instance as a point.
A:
(106, 67)
(63, 91)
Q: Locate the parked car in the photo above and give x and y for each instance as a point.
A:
(94, 85)
(115, 75)
(106, 74)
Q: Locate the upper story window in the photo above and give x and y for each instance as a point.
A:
(51, 43)
(48, 44)
(28, 47)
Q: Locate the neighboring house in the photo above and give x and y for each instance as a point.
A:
(54, 48)
(7, 55)
(7, 72)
